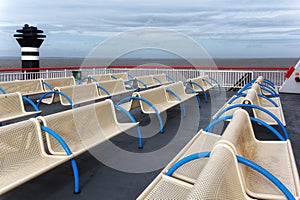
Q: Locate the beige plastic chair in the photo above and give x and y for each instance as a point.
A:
(260, 80)
(12, 107)
(100, 77)
(57, 82)
(123, 76)
(79, 94)
(25, 87)
(220, 178)
(23, 155)
(200, 82)
(204, 141)
(161, 79)
(179, 185)
(275, 156)
(157, 96)
(114, 87)
(255, 86)
(201, 142)
(148, 80)
(262, 101)
(206, 77)
(84, 127)
(252, 98)
(165, 187)
(179, 89)
(153, 101)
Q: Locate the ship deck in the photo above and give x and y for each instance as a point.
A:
(99, 181)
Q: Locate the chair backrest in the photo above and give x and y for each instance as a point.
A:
(220, 178)
(79, 93)
(206, 77)
(199, 81)
(271, 155)
(59, 82)
(82, 127)
(260, 80)
(25, 87)
(239, 131)
(161, 77)
(11, 104)
(156, 96)
(112, 86)
(251, 98)
(256, 87)
(148, 80)
(21, 144)
(176, 87)
(123, 76)
(101, 77)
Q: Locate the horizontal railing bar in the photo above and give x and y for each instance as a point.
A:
(237, 68)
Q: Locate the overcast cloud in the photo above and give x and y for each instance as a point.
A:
(226, 28)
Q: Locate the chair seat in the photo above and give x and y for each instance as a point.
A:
(202, 142)
(165, 187)
(163, 106)
(12, 116)
(33, 168)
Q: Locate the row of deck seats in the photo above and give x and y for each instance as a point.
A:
(254, 95)
(65, 91)
(35, 146)
(234, 165)
(38, 86)
(68, 134)
(140, 82)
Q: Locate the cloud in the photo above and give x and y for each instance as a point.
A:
(246, 20)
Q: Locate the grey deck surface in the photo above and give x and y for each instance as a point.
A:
(99, 181)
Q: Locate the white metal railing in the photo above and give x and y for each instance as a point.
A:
(226, 78)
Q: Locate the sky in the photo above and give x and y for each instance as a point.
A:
(224, 28)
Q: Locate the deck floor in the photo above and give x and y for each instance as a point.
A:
(99, 181)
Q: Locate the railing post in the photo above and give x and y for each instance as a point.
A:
(25, 75)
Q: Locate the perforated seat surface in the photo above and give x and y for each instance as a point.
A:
(84, 127)
(252, 98)
(148, 80)
(220, 178)
(199, 81)
(12, 107)
(165, 187)
(275, 156)
(101, 77)
(59, 82)
(22, 154)
(25, 87)
(191, 170)
(123, 76)
(158, 97)
(114, 87)
(179, 89)
(80, 93)
(162, 78)
(201, 142)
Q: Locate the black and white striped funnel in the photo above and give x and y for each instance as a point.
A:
(30, 39)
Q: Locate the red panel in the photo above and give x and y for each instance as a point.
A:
(289, 72)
